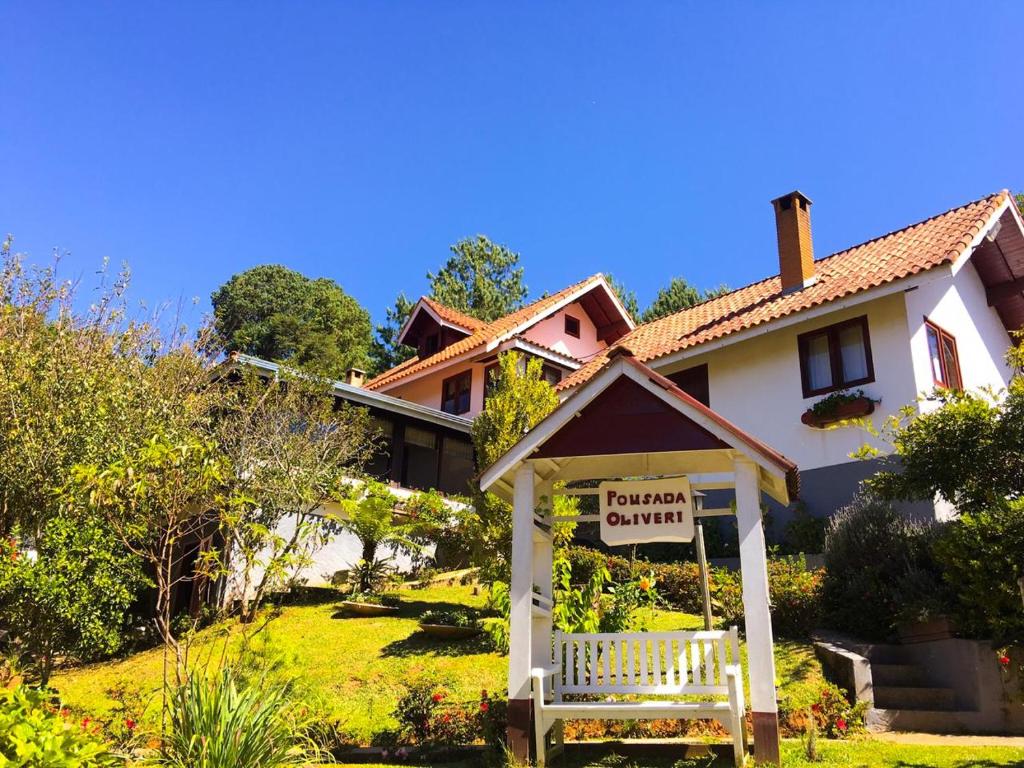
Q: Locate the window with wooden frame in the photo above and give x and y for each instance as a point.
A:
(835, 357)
(455, 392)
(551, 374)
(572, 326)
(943, 357)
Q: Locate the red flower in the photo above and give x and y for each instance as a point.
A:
(85, 722)
(437, 697)
(484, 706)
(1004, 660)
(446, 718)
(815, 707)
(841, 724)
(64, 712)
(129, 724)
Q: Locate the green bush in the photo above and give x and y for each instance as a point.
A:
(876, 565)
(429, 717)
(216, 724)
(795, 596)
(678, 584)
(982, 556)
(453, 618)
(35, 733)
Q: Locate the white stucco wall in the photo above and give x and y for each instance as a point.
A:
(957, 304)
(756, 383)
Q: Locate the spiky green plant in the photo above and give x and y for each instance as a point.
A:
(216, 724)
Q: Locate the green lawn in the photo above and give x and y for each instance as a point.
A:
(355, 669)
(860, 753)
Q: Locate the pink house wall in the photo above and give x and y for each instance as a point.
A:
(551, 333)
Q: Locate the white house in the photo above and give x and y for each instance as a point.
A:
(931, 304)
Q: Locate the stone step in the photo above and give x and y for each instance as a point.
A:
(919, 720)
(894, 675)
(913, 698)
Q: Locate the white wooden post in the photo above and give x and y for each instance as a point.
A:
(757, 616)
(543, 557)
(520, 621)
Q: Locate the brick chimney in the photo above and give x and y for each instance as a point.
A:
(355, 377)
(796, 251)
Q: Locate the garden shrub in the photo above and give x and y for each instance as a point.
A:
(451, 618)
(678, 583)
(874, 557)
(795, 594)
(37, 732)
(429, 717)
(982, 556)
(217, 724)
(834, 716)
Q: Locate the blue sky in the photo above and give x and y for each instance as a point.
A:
(358, 140)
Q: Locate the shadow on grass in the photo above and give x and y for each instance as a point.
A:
(421, 644)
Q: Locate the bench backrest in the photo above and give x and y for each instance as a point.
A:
(644, 662)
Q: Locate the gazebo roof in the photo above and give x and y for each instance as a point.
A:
(629, 421)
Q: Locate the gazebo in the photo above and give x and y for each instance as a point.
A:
(632, 429)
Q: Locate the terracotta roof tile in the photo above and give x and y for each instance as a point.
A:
(905, 252)
(453, 316)
(481, 337)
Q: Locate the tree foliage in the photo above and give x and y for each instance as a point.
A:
(518, 400)
(626, 296)
(71, 599)
(385, 351)
(291, 449)
(481, 279)
(970, 451)
(677, 295)
(278, 314)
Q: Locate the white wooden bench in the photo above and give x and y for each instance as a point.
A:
(702, 666)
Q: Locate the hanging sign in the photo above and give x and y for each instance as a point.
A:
(641, 511)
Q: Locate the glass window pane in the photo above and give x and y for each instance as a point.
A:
(420, 437)
(951, 363)
(933, 353)
(819, 364)
(853, 353)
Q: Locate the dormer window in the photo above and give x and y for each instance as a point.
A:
(572, 326)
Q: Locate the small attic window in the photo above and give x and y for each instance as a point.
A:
(572, 326)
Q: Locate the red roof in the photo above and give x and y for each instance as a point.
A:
(909, 251)
(483, 335)
(453, 316)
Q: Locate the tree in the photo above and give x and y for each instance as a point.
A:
(291, 448)
(1020, 201)
(626, 297)
(371, 518)
(154, 498)
(72, 598)
(677, 295)
(278, 314)
(385, 351)
(480, 278)
(518, 401)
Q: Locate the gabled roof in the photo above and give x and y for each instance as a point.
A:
(714, 440)
(490, 335)
(442, 314)
(942, 239)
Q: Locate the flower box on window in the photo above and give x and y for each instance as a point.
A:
(838, 407)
